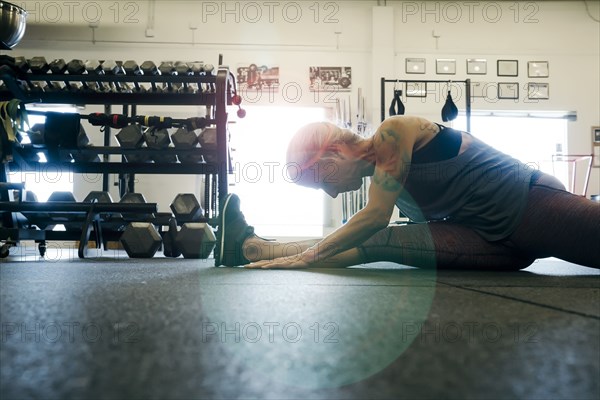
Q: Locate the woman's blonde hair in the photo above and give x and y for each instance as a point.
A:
(313, 142)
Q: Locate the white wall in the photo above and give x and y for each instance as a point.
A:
(274, 33)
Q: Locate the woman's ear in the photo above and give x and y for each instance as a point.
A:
(334, 148)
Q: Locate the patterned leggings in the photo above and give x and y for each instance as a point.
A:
(556, 223)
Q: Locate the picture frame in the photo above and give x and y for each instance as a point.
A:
(476, 66)
(538, 69)
(596, 146)
(596, 135)
(416, 89)
(415, 65)
(507, 67)
(330, 79)
(445, 66)
(482, 90)
(508, 90)
(538, 91)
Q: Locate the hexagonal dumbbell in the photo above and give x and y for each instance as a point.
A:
(77, 67)
(186, 208)
(184, 139)
(130, 138)
(196, 240)
(169, 247)
(150, 68)
(63, 218)
(159, 140)
(168, 68)
(83, 142)
(141, 240)
(58, 67)
(40, 66)
(112, 67)
(133, 69)
(135, 198)
(100, 197)
(185, 69)
(208, 141)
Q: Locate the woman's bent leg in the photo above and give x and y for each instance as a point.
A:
(560, 224)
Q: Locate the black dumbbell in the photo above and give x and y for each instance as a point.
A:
(112, 222)
(208, 141)
(158, 139)
(133, 69)
(185, 69)
(58, 66)
(195, 240)
(168, 68)
(63, 218)
(39, 66)
(112, 67)
(141, 240)
(186, 208)
(170, 249)
(131, 137)
(94, 67)
(83, 143)
(77, 67)
(150, 68)
(135, 198)
(184, 139)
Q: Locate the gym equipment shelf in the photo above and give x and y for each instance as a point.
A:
(213, 91)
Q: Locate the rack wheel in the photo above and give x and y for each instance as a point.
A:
(42, 249)
(4, 250)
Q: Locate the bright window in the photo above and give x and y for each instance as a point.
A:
(271, 202)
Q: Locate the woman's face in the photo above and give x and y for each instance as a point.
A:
(334, 175)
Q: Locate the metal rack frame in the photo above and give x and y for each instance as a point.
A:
(21, 86)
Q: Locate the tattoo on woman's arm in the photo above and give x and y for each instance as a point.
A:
(386, 181)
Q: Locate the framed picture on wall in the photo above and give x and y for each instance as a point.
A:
(596, 135)
(483, 90)
(508, 67)
(257, 77)
(415, 65)
(476, 66)
(445, 66)
(330, 79)
(508, 90)
(538, 69)
(538, 91)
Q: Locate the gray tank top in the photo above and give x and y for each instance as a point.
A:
(482, 188)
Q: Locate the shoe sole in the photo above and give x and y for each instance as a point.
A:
(222, 243)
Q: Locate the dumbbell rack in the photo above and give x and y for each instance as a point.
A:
(20, 86)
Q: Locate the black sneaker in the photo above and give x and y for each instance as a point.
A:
(233, 231)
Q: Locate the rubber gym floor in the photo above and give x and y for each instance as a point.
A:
(116, 328)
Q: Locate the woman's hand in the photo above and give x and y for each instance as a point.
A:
(291, 262)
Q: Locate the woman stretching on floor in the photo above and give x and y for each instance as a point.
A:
(475, 207)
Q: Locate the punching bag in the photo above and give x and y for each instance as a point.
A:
(449, 111)
(397, 107)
